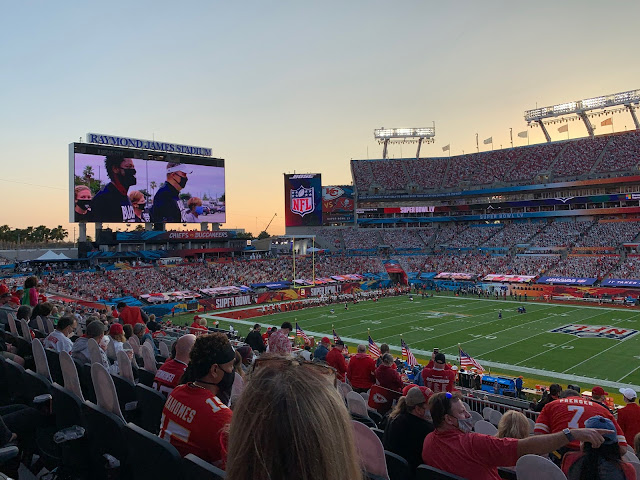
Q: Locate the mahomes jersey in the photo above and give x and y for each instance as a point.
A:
(572, 412)
(168, 376)
(439, 380)
(194, 421)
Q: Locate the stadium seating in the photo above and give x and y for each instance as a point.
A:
(150, 405)
(196, 468)
(160, 459)
(397, 467)
(370, 450)
(425, 472)
(534, 467)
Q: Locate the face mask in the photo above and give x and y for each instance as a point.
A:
(199, 210)
(225, 386)
(182, 182)
(465, 425)
(129, 177)
(83, 204)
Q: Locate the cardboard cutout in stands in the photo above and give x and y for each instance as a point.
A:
(40, 358)
(70, 375)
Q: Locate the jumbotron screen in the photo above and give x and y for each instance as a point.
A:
(120, 185)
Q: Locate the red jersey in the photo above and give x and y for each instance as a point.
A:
(572, 412)
(361, 371)
(131, 316)
(193, 421)
(197, 329)
(335, 359)
(168, 376)
(439, 380)
(629, 421)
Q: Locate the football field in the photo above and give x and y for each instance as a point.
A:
(514, 343)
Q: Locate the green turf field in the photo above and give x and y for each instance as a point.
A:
(515, 343)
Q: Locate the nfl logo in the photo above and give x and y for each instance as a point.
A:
(302, 201)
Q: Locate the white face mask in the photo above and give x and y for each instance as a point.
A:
(465, 425)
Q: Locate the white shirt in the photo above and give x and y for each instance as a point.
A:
(57, 341)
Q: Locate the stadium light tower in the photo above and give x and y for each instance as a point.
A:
(582, 108)
(404, 135)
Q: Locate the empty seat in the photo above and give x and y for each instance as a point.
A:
(145, 377)
(40, 359)
(534, 467)
(485, 427)
(486, 413)
(15, 378)
(475, 417)
(425, 472)
(35, 385)
(105, 433)
(164, 350)
(397, 467)
(159, 460)
(495, 417)
(150, 406)
(55, 369)
(195, 468)
(68, 411)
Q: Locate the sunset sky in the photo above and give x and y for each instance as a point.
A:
(275, 87)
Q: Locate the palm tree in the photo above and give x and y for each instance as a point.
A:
(153, 185)
(87, 173)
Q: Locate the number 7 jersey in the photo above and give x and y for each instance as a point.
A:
(194, 421)
(572, 412)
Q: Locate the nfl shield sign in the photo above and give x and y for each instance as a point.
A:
(302, 200)
(596, 331)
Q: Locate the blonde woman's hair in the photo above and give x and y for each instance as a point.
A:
(291, 423)
(119, 337)
(78, 189)
(513, 424)
(402, 407)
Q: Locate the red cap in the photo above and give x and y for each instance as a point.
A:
(425, 391)
(325, 340)
(599, 391)
(116, 329)
(3, 289)
(15, 300)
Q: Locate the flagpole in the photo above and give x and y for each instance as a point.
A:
(511, 135)
(293, 252)
(477, 144)
(313, 261)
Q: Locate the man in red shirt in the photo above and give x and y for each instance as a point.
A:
(454, 448)
(170, 373)
(130, 315)
(195, 417)
(438, 378)
(336, 360)
(571, 410)
(629, 416)
(361, 371)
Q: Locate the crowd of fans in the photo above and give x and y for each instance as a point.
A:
(474, 236)
(602, 154)
(560, 234)
(514, 233)
(586, 266)
(607, 234)
(406, 238)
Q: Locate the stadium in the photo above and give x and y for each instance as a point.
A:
(436, 315)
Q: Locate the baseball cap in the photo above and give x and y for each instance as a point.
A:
(440, 358)
(599, 391)
(325, 340)
(4, 290)
(116, 329)
(628, 393)
(606, 424)
(417, 395)
(15, 300)
(339, 342)
(179, 167)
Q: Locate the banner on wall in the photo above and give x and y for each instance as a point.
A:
(492, 277)
(620, 282)
(567, 280)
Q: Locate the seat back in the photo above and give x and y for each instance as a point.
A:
(475, 417)
(160, 458)
(49, 325)
(194, 467)
(105, 390)
(67, 407)
(54, 365)
(357, 404)
(111, 351)
(36, 384)
(94, 351)
(149, 344)
(370, 450)
(150, 405)
(135, 344)
(397, 466)
(425, 472)
(40, 359)
(486, 413)
(15, 377)
(630, 457)
(534, 467)
(164, 350)
(124, 366)
(495, 417)
(40, 324)
(12, 324)
(145, 377)
(482, 426)
(25, 330)
(149, 359)
(106, 434)
(70, 375)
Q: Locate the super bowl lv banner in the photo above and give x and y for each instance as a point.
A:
(303, 199)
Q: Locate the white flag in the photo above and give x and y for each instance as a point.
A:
(446, 148)
(524, 134)
(487, 141)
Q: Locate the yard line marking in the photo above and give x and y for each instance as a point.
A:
(620, 379)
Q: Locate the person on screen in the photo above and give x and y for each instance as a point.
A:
(111, 203)
(82, 203)
(194, 210)
(139, 203)
(167, 207)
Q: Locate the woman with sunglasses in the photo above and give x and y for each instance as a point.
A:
(290, 423)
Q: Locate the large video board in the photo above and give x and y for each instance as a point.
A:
(337, 204)
(303, 200)
(115, 185)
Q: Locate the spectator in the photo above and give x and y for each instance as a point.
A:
(270, 415)
(599, 396)
(452, 447)
(30, 292)
(116, 333)
(321, 351)
(513, 424)
(279, 343)
(335, 359)
(408, 425)
(602, 462)
(140, 331)
(254, 339)
(438, 378)
(130, 315)
(58, 340)
(80, 350)
(200, 405)
(196, 327)
(43, 310)
(387, 375)
(629, 415)
(384, 348)
(127, 330)
(361, 370)
(547, 397)
(170, 373)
